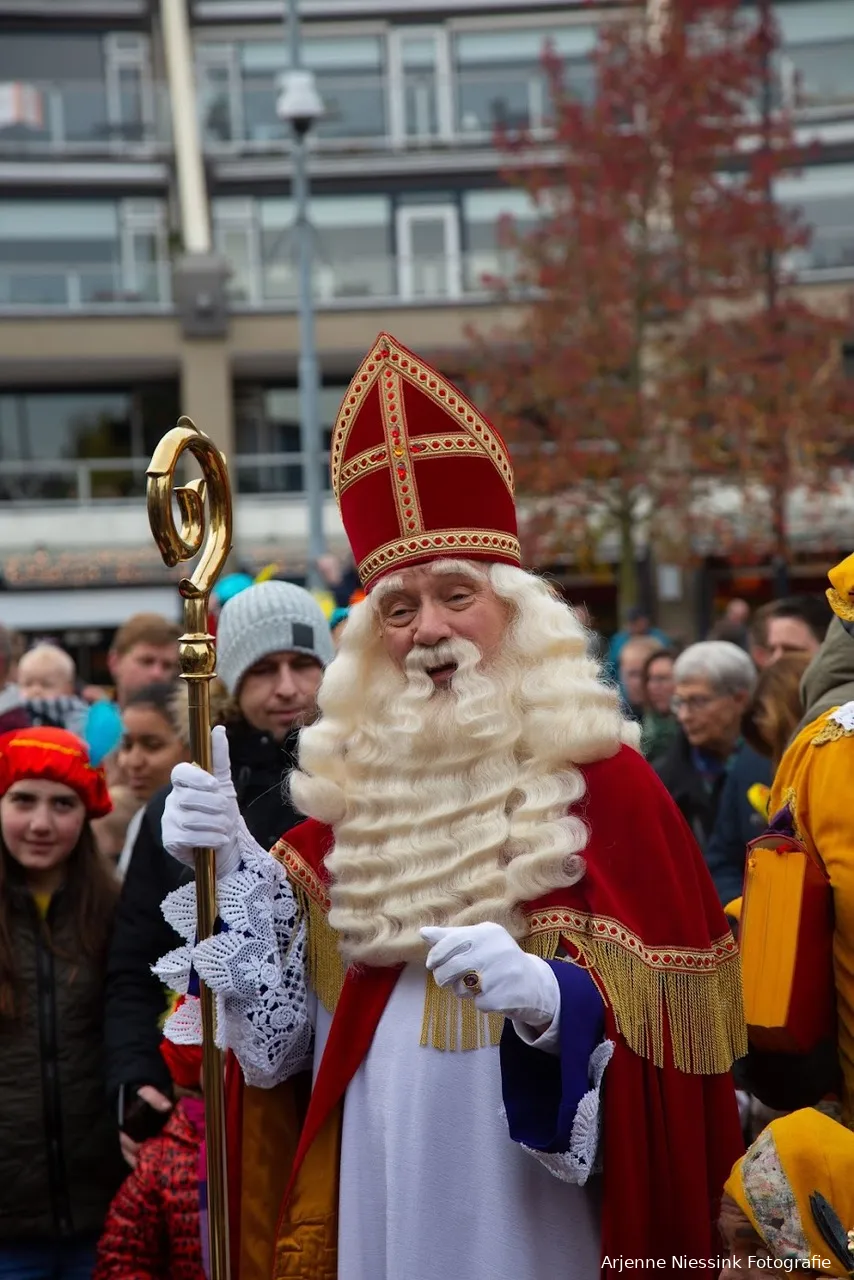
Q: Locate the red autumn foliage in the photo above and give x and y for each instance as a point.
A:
(660, 349)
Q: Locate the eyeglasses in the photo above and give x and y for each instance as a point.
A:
(697, 703)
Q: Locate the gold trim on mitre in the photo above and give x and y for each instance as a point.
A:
(446, 542)
(388, 359)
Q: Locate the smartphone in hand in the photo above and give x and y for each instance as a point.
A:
(137, 1118)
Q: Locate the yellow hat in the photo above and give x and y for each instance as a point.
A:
(796, 1186)
(841, 593)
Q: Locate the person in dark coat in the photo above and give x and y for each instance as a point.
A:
(273, 642)
(768, 726)
(714, 681)
(59, 1155)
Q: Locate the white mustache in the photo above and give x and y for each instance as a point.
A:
(425, 658)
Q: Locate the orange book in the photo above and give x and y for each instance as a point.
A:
(786, 942)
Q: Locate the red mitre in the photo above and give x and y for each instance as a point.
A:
(417, 472)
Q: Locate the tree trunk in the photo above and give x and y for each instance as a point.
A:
(627, 572)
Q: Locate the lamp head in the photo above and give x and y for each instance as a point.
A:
(298, 102)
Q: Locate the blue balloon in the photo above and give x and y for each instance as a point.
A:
(232, 585)
(102, 731)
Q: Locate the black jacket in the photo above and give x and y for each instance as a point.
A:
(136, 1000)
(738, 822)
(698, 801)
(59, 1157)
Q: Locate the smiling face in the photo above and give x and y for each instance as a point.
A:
(150, 749)
(41, 823)
(427, 605)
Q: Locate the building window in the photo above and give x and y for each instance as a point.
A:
(483, 214)
(353, 247)
(65, 444)
(267, 436)
(824, 195)
(82, 253)
(500, 78)
(817, 57)
(77, 90)
(240, 85)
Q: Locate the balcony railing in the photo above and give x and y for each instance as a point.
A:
(437, 110)
(84, 481)
(381, 278)
(83, 116)
(830, 250)
(42, 286)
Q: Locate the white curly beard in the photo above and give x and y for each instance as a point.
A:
(453, 806)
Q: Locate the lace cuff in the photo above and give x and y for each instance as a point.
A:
(577, 1164)
(255, 965)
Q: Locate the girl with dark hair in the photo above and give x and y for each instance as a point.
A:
(155, 737)
(59, 1158)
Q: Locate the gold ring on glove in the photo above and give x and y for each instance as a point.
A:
(471, 982)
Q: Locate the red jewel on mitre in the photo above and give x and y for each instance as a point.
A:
(417, 472)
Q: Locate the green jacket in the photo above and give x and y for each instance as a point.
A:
(657, 733)
(828, 681)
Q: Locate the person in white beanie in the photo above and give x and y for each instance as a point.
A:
(273, 642)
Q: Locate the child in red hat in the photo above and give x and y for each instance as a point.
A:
(155, 1226)
(59, 1155)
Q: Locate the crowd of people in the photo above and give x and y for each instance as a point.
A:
(483, 1006)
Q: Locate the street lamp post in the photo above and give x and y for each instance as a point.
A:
(300, 105)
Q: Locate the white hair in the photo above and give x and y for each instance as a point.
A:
(48, 657)
(727, 668)
(455, 807)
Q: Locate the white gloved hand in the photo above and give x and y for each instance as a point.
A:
(201, 810)
(520, 986)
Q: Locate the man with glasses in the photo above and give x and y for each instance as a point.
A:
(714, 681)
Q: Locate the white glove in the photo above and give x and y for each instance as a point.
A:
(201, 810)
(511, 982)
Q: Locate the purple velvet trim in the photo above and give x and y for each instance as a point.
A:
(542, 1090)
(782, 824)
(193, 982)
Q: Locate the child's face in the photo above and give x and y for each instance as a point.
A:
(41, 823)
(43, 679)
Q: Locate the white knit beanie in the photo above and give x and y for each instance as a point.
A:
(269, 617)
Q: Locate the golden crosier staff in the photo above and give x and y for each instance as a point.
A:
(197, 658)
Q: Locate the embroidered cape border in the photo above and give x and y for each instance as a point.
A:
(692, 993)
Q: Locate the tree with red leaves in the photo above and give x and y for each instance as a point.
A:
(659, 347)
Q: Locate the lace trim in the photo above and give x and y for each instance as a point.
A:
(255, 966)
(581, 1160)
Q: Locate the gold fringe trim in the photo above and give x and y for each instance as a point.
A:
(704, 1011)
(693, 993)
(451, 1023)
(326, 969)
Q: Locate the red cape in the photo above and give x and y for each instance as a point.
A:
(646, 922)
